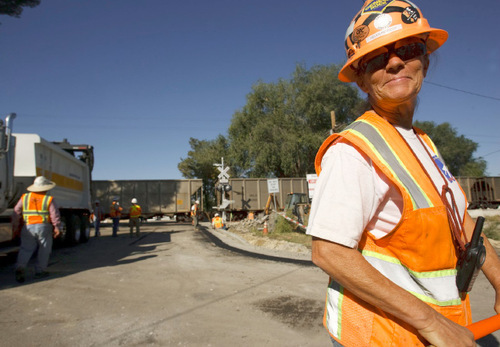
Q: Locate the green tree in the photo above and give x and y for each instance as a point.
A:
(200, 164)
(456, 150)
(278, 132)
(14, 8)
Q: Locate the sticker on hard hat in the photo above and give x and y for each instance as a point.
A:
(410, 15)
(382, 21)
(350, 52)
(384, 32)
(376, 6)
(360, 33)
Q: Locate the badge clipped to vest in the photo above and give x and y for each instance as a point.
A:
(471, 260)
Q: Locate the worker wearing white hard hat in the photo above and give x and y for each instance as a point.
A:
(195, 210)
(115, 212)
(218, 222)
(135, 214)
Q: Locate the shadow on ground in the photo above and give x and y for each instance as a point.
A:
(103, 251)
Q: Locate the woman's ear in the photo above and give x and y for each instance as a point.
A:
(361, 83)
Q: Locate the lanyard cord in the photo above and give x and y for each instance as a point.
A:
(457, 228)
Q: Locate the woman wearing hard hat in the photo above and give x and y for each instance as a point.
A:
(388, 220)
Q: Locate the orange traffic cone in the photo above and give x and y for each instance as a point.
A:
(265, 228)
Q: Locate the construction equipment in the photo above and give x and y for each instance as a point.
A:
(298, 205)
(26, 156)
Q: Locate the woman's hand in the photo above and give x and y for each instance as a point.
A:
(442, 332)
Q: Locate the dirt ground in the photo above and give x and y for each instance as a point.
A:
(176, 287)
(482, 296)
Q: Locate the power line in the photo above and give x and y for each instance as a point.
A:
(491, 153)
(463, 91)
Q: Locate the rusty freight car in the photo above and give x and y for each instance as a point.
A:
(481, 192)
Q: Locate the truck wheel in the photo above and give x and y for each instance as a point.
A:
(63, 228)
(73, 230)
(85, 228)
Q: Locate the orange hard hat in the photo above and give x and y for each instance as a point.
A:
(381, 22)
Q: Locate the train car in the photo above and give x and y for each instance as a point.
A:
(481, 192)
(157, 198)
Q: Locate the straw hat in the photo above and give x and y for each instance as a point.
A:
(41, 184)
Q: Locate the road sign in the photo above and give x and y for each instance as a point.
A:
(223, 175)
(273, 185)
(311, 183)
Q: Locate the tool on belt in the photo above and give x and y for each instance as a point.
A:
(471, 259)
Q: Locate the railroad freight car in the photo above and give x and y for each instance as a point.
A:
(252, 195)
(157, 198)
(481, 192)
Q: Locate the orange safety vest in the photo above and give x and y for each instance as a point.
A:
(194, 210)
(115, 211)
(418, 254)
(135, 211)
(36, 208)
(217, 222)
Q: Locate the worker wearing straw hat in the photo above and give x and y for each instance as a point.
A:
(39, 212)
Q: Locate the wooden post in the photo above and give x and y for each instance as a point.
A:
(332, 116)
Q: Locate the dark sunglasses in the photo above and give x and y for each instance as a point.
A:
(406, 52)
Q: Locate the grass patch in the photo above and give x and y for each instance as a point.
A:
(284, 230)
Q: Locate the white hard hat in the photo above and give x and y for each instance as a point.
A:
(134, 201)
(216, 215)
(197, 201)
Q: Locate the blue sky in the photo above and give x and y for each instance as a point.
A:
(137, 79)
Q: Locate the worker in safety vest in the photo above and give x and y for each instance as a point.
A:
(115, 212)
(389, 221)
(217, 222)
(39, 213)
(135, 217)
(194, 213)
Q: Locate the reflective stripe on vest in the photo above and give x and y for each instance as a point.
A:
(34, 211)
(194, 210)
(429, 286)
(135, 211)
(114, 210)
(218, 222)
(418, 254)
(391, 160)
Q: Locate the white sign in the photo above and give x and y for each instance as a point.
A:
(223, 176)
(225, 203)
(273, 185)
(311, 183)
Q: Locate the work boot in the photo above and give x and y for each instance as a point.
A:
(20, 276)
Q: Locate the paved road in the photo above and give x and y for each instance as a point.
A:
(172, 287)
